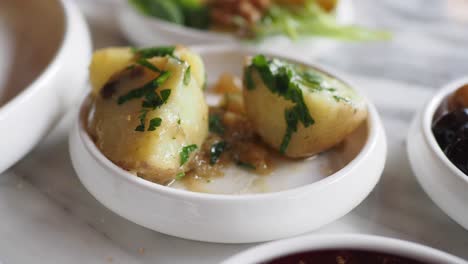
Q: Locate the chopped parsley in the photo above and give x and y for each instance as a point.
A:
(215, 124)
(154, 52)
(216, 150)
(185, 153)
(285, 79)
(147, 90)
(145, 63)
(154, 123)
(340, 99)
(179, 176)
(142, 117)
(187, 76)
(246, 165)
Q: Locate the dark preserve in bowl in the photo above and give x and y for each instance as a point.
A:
(450, 128)
(342, 256)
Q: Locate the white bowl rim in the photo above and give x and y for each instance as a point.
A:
(373, 243)
(428, 117)
(48, 72)
(373, 124)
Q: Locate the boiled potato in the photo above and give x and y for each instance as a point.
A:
(143, 134)
(335, 110)
(105, 63)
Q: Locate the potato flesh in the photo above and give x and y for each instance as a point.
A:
(105, 63)
(154, 155)
(334, 118)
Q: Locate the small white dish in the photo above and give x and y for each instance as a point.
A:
(44, 49)
(445, 184)
(150, 31)
(297, 200)
(396, 247)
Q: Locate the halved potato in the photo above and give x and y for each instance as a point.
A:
(335, 109)
(136, 141)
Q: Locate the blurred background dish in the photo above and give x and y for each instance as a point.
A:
(145, 28)
(45, 48)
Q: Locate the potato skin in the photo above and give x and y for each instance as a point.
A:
(153, 155)
(334, 118)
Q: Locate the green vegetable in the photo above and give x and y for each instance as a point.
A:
(167, 10)
(216, 150)
(185, 153)
(215, 124)
(310, 20)
(285, 80)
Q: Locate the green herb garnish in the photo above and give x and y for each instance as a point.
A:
(179, 176)
(187, 76)
(246, 165)
(340, 99)
(185, 153)
(154, 123)
(215, 124)
(285, 80)
(142, 117)
(146, 53)
(145, 63)
(216, 150)
(146, 90)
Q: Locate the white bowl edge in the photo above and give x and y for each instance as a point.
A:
(43, 101)
(249, 217)
(397, 247)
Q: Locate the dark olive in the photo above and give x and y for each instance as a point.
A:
(445, 128)
(458, 154)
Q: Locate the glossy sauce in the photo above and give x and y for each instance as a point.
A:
(345, 256)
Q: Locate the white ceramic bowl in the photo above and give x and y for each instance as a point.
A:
(443, 182)
(308, 199)
(150, 31)
(391, 246)
(44, 49)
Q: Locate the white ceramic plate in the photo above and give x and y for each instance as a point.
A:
(300, 196)
(270, 251)
(150, 31)
(44, 50)
(443, 182)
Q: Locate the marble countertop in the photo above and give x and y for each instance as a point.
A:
(49, 217)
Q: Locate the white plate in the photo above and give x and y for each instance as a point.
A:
(150, 31)
(443, 182)
(378, 244)
(44, 50)
(302, 196)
